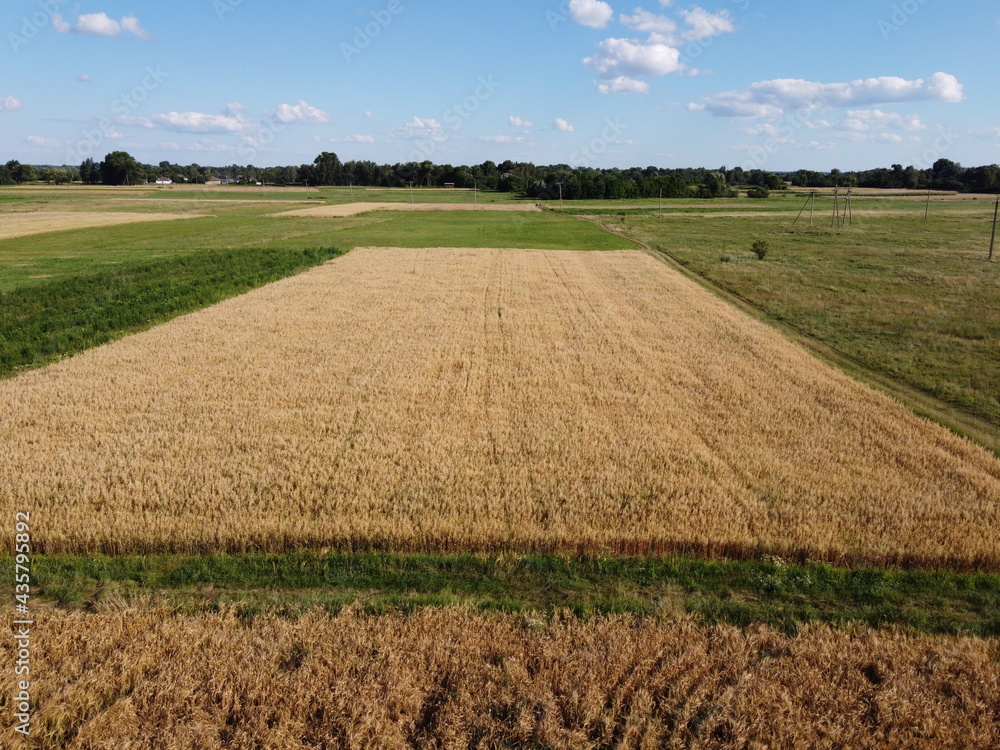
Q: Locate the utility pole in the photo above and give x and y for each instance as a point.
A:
(836, 208)
(927, 210)
(560, 197)
(661, 202)
(996, 210)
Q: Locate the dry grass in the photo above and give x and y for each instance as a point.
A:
(445, 678)
(39, 222)
(353, 209)
(484, 400)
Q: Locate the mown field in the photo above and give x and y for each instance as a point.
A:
(453, 482)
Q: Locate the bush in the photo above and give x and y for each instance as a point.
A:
(760, 248)
(758, 191)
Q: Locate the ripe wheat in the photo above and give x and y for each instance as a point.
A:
(446, 400)
(142, 678)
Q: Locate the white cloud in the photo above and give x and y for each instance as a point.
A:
(632, 57)
(47, 142)
(97, 24)
(368, 114)
(593, 13)
(517, 122)
(359, 139)
(60, 24)
(101, 24)
(504, 139)
(861, 120)
(8, 103)
(422, 129)
(649, 23)
(703, 25)
(131, 24)
(84, 78)
(301, 112)
(193, 122)
(773, 99)
(563, 126)
(622, 85)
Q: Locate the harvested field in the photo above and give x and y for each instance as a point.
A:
(456, 399)
(353, 209)
(147, 679)
(39, 222)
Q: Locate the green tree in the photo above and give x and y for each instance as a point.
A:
(326, 169)
(119, 168)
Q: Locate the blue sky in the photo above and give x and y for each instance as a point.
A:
(756, 83)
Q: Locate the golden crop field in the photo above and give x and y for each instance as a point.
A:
(484, 400)
(141, 678)
(22, 224)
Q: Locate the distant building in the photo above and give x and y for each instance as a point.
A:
(164, 181)
(213, 181)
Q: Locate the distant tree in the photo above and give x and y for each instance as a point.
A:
(327, 170)
(758, 191)
(90, 172)
(6, 177)
(22, 172)
(773, 182)
(119, 168)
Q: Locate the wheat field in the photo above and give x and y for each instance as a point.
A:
(142, 678)
(22, 224)
(484, 400)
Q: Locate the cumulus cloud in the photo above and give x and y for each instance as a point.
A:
(101, 24)
(563, 126)
(191, 122)
(623, 85)
(862, 120)
(359, 139)
(593, 13)
(773, 99)
(520, 139)
(703, 25)
(518, 122)
(84, 78)
(422, 129)
(301, 112)
(648, 23)
(631, 57)
(8, 103)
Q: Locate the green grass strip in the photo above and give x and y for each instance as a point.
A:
(737, 592)
(43, 322)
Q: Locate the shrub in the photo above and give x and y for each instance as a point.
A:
(760, 248)
(758, 191)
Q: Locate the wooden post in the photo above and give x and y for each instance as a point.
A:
(927, 210)
(801, 212)
(849, 211)
(836, 207)
(812, 206)
(661, 203)
(996, 210)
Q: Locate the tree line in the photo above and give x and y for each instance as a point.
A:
(520, 178)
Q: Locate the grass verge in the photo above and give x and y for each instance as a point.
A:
(41, 323)
(742, 593)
